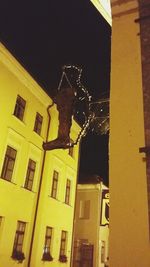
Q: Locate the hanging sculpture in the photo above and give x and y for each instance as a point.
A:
(67, 100)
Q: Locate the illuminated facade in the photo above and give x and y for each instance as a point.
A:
(37, 188)
(91, 230)
(129, 182)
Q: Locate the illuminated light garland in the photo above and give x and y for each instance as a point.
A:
(93, 121)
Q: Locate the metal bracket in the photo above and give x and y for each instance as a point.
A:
(145, 149)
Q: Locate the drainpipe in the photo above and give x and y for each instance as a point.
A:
(39, 189)
(73, 229)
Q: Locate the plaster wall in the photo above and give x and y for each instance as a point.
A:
(16, 202)
(129, 229)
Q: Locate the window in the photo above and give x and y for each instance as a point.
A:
(63, 244)
(84, 209)
(67, 196)
(46, 251)
(20, 107)
(0, 220)
(38, 123)
(102, 251)
(54, 185)
(18, 242)
(71, 150)
(30, 174)
(48, 237)
(9, 163)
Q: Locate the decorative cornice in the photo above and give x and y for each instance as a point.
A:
(119, 2)
(121, 8)
(124, 13)
(15, 67)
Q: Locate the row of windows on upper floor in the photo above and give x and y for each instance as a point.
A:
(19, 113)
(8, 168)
(18, 254)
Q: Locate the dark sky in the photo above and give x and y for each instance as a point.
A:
(44, 35)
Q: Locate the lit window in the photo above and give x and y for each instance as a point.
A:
(48, 238)
(54, 185)
(20, 107)
(63, 247)
(9, 163)
(84, 209)
(18, 242)
(67, 196)
(38, 123)
(30, 174)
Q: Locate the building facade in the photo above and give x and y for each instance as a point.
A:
(91, 229)
(129, 133)
(37, 188)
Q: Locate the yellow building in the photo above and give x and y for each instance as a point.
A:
(91, 229)
(37, 188)
(129, 225)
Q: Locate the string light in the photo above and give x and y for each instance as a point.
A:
(96, 115)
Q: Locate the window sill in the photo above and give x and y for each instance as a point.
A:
(18, 256)
(19, 120)
(11, 182)
(28, 189)
(84, 218)
(63, 258)
(54, 198)
(67, 204)
(47, 257)
(71, 157)
(38, 135)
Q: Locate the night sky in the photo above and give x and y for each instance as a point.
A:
(45, 35)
